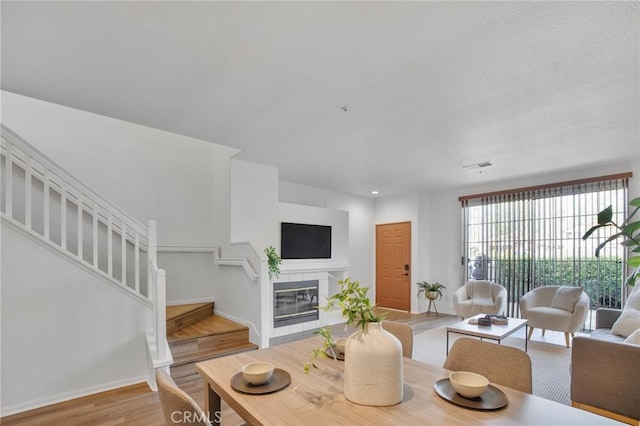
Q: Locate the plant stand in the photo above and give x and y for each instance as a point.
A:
(434, 307)
(432, 296)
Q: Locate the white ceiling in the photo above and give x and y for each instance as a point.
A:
(533, 87)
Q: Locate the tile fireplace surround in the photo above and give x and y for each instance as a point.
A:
(327, 273)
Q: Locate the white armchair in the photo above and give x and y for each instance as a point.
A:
(558, 308)
(480, 297)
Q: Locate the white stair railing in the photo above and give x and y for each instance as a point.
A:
(42, 199)
(157, 284)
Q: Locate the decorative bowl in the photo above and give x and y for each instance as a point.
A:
(468, 384)
(257, 373)
(486, 322)
(340, 345)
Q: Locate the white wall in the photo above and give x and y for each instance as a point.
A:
(190, 276)
(337, 219)
(445, 247)
(181, 182)
(436, 225)
(254, 205)
(65, 332)
(407, 208)
(361, 226)
(253, 225)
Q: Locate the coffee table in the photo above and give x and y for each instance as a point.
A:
(492, 332)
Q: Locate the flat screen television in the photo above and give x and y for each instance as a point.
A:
(304, 241)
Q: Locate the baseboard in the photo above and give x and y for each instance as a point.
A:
(80, 393)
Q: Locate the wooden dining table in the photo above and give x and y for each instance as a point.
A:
(317, 398)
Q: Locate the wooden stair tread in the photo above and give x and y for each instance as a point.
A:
(178, 310)
(211, 325)
(215, 353)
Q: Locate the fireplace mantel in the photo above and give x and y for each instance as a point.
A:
(305, 265)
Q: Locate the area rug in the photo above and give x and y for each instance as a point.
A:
(549, 362)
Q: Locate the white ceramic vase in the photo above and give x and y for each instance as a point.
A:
(373, 367)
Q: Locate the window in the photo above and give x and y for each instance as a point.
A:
(532, 237)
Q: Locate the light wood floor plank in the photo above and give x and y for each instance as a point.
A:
(138, 406)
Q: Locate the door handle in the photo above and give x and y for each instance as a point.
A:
(406, 268)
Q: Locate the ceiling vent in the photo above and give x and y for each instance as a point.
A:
(477, 166)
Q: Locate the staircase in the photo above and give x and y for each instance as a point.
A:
(196, 334)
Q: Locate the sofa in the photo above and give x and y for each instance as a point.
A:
(605, 371)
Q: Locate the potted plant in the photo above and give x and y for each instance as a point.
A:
(368, 351)
(273, 261)
(626, 230)
(431, 291)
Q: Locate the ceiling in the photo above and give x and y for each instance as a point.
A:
(350, 96)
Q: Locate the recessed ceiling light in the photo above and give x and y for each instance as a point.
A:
(375, 192)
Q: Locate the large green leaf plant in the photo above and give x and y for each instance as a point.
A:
(628, 229)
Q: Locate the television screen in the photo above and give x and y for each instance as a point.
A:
(302, 241)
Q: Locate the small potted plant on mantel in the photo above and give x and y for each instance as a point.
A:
(273, 261)
(431, 291)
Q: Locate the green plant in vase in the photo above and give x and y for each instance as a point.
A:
(430, 289)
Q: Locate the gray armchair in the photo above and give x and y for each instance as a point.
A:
(605, 377)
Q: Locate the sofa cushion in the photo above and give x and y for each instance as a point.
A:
(477, 306)
(633, 301)
(606, 335)
(480, 290)
(627, 323)
(549, 318)
(634, 338)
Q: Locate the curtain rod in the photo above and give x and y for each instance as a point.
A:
(625, 175)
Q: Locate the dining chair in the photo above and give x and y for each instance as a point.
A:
(178, 407)
(500, 364)
(404, 333)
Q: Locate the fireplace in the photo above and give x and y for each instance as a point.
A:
(295, 302)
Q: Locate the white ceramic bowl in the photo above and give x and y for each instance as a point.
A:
(340, 345)
(257, 373)
(468, 384)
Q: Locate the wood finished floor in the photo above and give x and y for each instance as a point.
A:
(138, 406)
